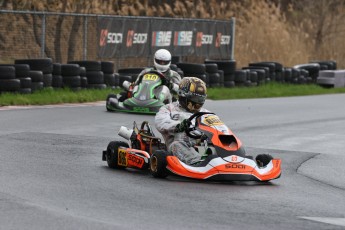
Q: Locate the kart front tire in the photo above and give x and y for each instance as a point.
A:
(112, 154)
(107, 101)
(263, 159)
(158, 164)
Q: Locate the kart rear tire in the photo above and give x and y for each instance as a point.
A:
(158, 164)
(112, 154)
(263, 159)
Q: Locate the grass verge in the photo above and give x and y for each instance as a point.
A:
(58, 96)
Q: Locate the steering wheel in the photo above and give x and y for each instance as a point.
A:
(190, 129)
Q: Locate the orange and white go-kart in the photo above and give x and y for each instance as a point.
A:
(226, 160)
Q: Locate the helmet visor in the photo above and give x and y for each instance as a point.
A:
(197, 99)
(162, 62)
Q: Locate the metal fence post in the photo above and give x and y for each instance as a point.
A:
(232, 24)
(43, 36)
(85, 39)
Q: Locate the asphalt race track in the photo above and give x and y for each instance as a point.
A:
(52, 175)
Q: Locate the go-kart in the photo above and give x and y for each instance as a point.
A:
(226, 160)
(147, 97)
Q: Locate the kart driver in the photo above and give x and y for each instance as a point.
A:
(162, 61)
(171, 120)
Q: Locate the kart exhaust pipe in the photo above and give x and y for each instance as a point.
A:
(125, 132)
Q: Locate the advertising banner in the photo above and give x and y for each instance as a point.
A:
(140, 37)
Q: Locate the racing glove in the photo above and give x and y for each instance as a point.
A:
(183, 126)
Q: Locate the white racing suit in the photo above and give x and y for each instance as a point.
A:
(178, 143)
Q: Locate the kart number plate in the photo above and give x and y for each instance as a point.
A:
(122, 159)
(212, 120)
(151, 77)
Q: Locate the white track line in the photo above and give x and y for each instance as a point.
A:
(327, 220)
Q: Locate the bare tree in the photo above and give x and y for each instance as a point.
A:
(74, 33)
(58, 30)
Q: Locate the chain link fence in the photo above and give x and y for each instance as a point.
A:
(63, 37)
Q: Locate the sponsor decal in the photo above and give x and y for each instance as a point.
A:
(183, 38)
(203, 39)
(141, 109)
(235, 166)
(122, 159)
(222, 40)
(234, 158)
(135, 160)
(135, 38)
(112, 38)
(161, 38)
(212, 120)
(103, 37)
(150, 77)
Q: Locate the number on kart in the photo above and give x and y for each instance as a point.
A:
(122, 159)
(212, 120)
(151, 77)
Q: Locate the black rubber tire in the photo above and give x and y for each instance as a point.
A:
(192, 68)
(56, 69)
(47, 80)
(57, 81)
(71, 81)
(211, 67)
(214, 78)
(89, 65)
(229, 84)
(241, 76)
(95, 77)
(25, 83)
(7, 72)
(36, 75)
(41, 64)
(228, 66)
(83, 82)
(22, 70)
(82, 71)
(112, 154)
(158, 164)
(229, 77)
(130, 71)
(107, 67)
(70, 70)
(9, 85)
(263, 159)
(35, 86)
(25, 90)
(109, 79)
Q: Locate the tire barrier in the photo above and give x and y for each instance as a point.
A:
(30, 75)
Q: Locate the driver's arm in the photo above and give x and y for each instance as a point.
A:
(165, 122)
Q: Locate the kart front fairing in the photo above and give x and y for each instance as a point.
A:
(147, 97)
(228, 160)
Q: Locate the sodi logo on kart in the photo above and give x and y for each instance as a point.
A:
(235, 166)
(135, 160)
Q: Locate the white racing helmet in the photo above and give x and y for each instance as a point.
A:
(162, 60)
